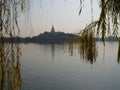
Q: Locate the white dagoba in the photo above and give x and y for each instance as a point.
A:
(52, 29)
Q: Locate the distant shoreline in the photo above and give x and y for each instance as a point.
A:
(44, 38)
(51, 38)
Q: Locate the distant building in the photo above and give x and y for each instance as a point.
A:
(52, 29)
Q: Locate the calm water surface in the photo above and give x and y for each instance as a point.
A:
(50, 67)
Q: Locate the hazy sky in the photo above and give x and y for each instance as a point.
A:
(63, 15)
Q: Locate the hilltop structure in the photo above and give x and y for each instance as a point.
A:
(52, 29)
(51, 37)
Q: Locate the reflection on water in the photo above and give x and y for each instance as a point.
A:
(69, 72)
(53, 51)
(71, 48)
(10, 69)
(86, 47)
(66, 72)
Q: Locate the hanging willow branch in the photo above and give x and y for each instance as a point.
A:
(109, 16)
(9, 11)
(10, 69)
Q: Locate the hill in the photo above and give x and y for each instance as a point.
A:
(44, 38)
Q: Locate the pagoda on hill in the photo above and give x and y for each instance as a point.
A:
(52, 29)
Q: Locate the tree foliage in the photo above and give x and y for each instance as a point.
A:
(9, 11)
(108, 20)
(10, 72)
(109, 16)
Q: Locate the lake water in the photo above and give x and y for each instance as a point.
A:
(50, 67)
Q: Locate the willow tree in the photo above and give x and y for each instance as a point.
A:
(10, 75)
(109, 20)
(109, 17)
